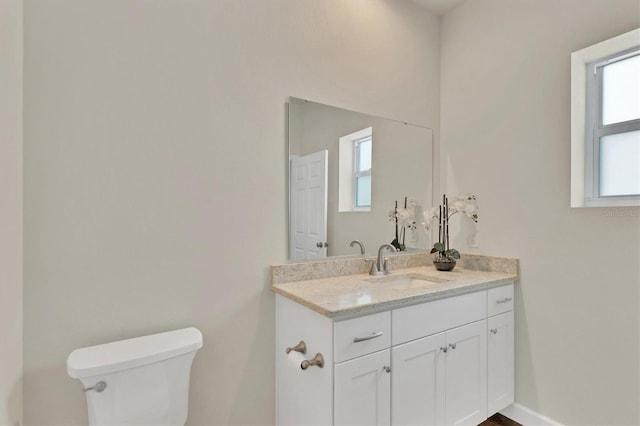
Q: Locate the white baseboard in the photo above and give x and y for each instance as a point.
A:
(527, 417)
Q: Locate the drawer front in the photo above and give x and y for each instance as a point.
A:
(360, 336)
(499, 300)
(414, 322)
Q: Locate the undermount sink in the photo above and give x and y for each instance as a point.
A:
(407, 280)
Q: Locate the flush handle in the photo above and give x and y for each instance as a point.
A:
(98, 387)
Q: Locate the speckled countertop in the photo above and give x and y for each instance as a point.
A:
(351, 295)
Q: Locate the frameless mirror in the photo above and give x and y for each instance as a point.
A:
(347, 170)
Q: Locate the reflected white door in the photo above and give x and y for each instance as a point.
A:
(308, 215)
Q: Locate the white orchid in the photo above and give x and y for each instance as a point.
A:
(430, 216)
(407, 217)
(465, 204)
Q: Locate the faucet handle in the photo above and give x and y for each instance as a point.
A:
(386, 268)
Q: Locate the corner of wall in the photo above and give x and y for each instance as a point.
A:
(11, 76)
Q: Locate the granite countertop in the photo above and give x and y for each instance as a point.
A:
(347, 296)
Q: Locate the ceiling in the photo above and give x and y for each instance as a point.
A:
(439, 7)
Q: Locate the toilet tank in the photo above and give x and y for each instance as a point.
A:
(147, 378)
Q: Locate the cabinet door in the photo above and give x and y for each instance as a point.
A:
(362, 393)
(417, 381)
(501, 362)
(466, 374)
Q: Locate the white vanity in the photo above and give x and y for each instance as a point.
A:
(437, 348)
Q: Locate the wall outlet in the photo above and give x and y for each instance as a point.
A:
(473, 241)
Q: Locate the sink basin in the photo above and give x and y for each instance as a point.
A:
(406, 280)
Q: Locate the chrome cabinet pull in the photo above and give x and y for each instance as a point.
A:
(444, 349)
(505, 300)
(317, 360)
(300, 347)
(387, 369)
(452, 345)
(372, 336)
(494, 330)
(98, 387)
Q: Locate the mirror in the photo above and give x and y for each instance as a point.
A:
(347, 170)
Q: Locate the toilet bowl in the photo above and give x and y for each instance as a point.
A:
(139, 381)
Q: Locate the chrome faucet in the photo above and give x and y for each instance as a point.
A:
(354, 242)
(379, 266)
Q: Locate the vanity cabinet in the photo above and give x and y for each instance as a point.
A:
(448, 361)
(442, 378)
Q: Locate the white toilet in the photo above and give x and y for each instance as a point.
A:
(140, 381)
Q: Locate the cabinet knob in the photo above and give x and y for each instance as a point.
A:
(387, 369)
(444, 349)
(494, 330)
(452, 345)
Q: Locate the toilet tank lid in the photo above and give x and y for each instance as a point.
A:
(131, 353)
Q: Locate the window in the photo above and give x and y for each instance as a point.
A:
(605, 145)
(354, 173)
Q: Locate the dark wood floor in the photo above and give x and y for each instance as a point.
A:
(499, 420)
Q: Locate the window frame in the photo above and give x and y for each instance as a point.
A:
(586, 120)
(596, 129)
(357, 173)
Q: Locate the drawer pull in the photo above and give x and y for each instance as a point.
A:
(387, 369)
(372, 336)
(452, 345)
(505, 300)
(317, 360)
(444, 349)
(494, 331)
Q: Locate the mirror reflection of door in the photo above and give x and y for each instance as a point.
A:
(308, 215)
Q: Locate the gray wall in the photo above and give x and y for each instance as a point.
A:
(506, 138)
(10, 211)
(155, 170)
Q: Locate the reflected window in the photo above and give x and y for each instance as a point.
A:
(354, 174)
(362, 172)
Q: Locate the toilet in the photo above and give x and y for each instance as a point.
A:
(139, 381)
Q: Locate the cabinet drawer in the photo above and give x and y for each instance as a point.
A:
(499, 300)
(361, 336)
(417, 321)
